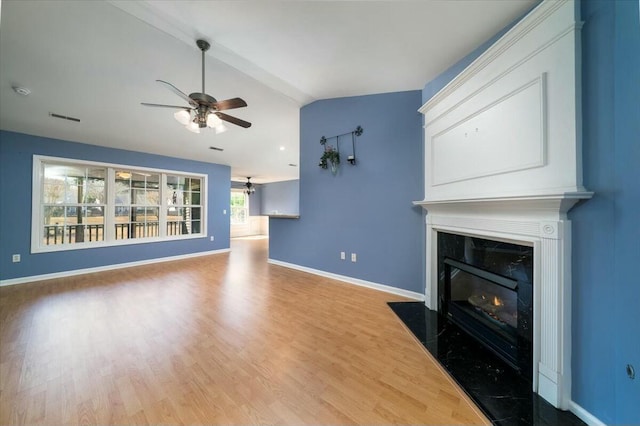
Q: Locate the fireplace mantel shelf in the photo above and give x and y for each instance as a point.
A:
(577, 195)
(547, 206)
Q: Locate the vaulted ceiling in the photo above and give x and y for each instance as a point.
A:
(97, 61)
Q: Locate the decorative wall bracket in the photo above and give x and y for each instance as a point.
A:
(331, 155)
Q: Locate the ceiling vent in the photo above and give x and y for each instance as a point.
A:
(64, 117)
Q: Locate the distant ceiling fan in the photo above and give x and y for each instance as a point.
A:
(203, 110)
(250, 187)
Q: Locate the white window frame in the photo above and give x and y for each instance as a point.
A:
(37, 191)
(246, 199)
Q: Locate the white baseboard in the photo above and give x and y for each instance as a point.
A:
(32, 278)
(584, 415)
(351, 280)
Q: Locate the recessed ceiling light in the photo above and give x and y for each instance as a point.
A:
(21, 90)
(282, 148)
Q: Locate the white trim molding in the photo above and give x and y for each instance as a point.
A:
(584, 415)
(350, 280)
(503, 161)
(63, 274)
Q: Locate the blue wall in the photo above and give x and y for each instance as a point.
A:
(365, 209)
(627, 205)
(281, 197)
(606, 236)
(255, 201)
(16, 163)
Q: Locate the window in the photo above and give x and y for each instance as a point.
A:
(239, 208)
(137, 202)
(184, 210)
(73, 204)
(79, 204)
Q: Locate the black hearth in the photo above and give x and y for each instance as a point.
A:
(486, 289)
(503, 394)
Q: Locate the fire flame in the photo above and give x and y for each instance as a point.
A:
(497, 301)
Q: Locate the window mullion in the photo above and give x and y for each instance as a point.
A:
(110, 209)
(163, 206)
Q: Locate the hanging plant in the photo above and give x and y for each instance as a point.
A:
(330, 156)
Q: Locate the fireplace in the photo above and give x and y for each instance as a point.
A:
(503, 162)
(486, 289)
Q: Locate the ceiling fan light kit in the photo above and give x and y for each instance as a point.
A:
(203, 110)
(183, 117)
(193, 127)
(221, 128)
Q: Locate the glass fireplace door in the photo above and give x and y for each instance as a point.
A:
(485, 304)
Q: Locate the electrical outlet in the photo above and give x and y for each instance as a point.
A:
(631, 372)
(15, 258)
(353, 257)
(343, 256)
(224, 211)
(212, 238)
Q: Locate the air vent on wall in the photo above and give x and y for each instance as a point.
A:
(64, 117)
(215, 148)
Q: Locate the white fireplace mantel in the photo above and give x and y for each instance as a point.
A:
(503, 161)
(539, 221)
(545, 206)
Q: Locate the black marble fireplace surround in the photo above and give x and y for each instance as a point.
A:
(485, 345)
(486, 288)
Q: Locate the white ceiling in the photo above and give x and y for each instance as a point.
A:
(98, 60)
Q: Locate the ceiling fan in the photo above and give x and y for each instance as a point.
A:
(203, 110)
(250, 187)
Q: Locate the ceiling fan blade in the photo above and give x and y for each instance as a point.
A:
(164, 106)
(233, 120)
(229, 104)
(178, 92)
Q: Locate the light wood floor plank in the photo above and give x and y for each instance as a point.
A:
(221, 339)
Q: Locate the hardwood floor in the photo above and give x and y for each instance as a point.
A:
(225, 339)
